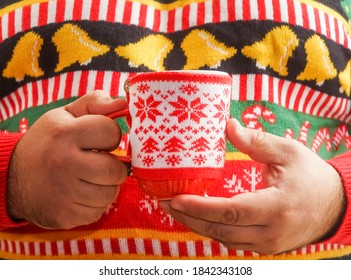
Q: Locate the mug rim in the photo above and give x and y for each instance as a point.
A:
(203, 76)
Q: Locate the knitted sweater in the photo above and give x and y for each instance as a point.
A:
(290, 61)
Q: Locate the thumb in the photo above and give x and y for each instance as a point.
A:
(260, 146)
(95, 103)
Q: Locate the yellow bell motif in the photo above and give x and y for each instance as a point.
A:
(319, 66)
(202, 49)
(150, 51)
(75, 46)
(274, 50)
(24, 61)
(345, 79)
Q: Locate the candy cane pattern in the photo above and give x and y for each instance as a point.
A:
(23, 126)
(289, 134)
(252, 114)
(322, 134)
(341, 133)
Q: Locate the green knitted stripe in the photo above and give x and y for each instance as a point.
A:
(285, 121)
(294, 121)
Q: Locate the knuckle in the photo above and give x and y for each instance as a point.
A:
(214, 231)
(117, 172)
(60, 133)
(100, 94)
(257, 137)
(97, 97)
(230, 216)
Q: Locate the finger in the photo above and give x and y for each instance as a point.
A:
(94, 196)
(97, 102)
(79, 215)
(247, 209)
(99, 168)
(95, 132)
(223, 233)
(71, 214)
(260, 146)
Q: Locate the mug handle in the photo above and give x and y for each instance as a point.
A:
(120, 114)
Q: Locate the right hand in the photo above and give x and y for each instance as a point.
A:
(61, 174)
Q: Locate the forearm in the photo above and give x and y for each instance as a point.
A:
(7, 145)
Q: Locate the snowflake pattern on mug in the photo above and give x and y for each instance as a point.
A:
(181, 124)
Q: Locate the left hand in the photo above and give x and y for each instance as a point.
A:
(61, 173)
(302, 201)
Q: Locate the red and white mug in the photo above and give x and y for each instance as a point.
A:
(177, 130)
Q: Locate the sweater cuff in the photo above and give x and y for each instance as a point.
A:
(342, 164)
(8, 143)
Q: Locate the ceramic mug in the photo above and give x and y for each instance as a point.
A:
(177, 125)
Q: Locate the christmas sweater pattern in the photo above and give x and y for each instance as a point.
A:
(290, 62)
